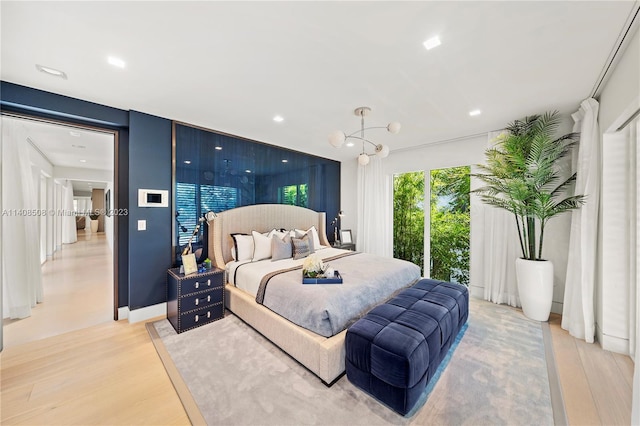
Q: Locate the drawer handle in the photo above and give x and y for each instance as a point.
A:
(208, 314)
(197, 318)
(197, 284)
(209, 282)
(198, 300)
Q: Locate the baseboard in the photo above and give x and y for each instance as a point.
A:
(614, 344)
(123, 313)
(148, 312)
(476, 292)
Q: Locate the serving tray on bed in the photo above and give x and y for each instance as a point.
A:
(337, 279)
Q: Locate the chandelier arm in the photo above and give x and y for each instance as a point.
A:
(362, 139)
(366, 128)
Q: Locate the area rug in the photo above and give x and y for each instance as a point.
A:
(235, 376)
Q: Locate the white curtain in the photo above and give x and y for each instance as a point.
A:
(69, 234)
(374, 233)
(21, 276)
(495, 248)
(635, 332)
(578, 310)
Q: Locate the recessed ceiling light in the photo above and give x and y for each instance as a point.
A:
(432, 42)
(83, 161)
(349, 144)
(51, 71)
(218, 148)
(248, 171)
(187, 161)
(116, 62)
(278, 119)
(285, 161)
(74, 134)
(475, 112)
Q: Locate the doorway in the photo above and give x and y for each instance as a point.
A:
(78, 269)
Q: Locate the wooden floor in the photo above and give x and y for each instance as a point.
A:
(109, 373)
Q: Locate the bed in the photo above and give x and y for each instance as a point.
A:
(324, 355)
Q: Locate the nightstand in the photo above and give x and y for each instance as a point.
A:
(346, 246)
(195, 299)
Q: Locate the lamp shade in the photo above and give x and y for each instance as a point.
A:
(382, 151)
(394, 127)
(363, 159)
(337, 138)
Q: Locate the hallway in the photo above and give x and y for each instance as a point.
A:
(78, 292)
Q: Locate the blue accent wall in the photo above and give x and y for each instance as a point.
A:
(150, 250)
(143, 161)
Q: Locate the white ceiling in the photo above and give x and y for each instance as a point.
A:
(75, 148)
(232, 66)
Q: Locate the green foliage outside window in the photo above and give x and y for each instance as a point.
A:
(450, 224)
(295, 195)
(450, 221)
(408, 217)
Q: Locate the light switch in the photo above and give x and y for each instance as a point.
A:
(142, 225)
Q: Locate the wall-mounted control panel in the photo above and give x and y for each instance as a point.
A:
(153, 198)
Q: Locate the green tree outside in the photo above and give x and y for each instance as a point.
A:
(408, 217)
(450, 221)
(450, 224)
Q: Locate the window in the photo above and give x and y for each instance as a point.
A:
(295, 195)
(208, 198)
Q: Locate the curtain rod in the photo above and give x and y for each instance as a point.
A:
(619, 46)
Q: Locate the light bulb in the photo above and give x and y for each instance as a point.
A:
(337, 138)
(382, 151)
(363, 159)
(394, 127)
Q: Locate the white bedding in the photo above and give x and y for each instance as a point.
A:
(248, 277)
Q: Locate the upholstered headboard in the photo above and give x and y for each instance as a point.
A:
(261, 218)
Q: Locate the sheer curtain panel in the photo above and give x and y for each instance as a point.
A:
(374, 233)
(495, 248)
(69, 233)
(578, 310)
(21, 277)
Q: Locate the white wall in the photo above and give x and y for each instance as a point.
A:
(620, 95)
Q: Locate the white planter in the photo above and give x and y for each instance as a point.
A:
(94, 225)
(535, 287)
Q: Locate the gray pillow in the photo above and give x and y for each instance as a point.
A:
(309, 237)
(301, 247)
(281, 247)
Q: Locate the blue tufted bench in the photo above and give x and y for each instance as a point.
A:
(394, 350)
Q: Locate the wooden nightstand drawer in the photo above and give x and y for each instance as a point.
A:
(195, 299)
(202, 299)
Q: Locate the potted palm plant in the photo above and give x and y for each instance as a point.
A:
(522, 175)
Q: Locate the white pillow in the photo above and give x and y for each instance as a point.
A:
(244, 247)
(314, 235)
(261, 246)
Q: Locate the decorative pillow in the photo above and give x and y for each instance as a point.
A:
(309, 236)
(281, 247)
(314, 234)
(301, 247)
(261, 246)
(243, 246)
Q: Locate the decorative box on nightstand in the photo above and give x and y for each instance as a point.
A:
(195, 299)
